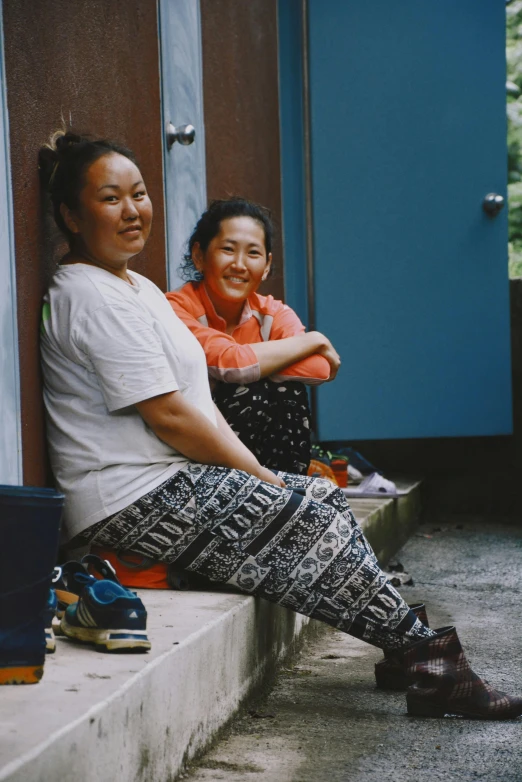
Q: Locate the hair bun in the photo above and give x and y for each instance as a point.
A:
(61, 140)
(53, 152)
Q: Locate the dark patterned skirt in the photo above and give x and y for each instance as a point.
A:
(271, 419)
(300, 547)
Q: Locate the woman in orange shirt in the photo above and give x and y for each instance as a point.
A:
(259, 356)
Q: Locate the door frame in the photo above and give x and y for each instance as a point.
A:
(10, 421)
(184, 167)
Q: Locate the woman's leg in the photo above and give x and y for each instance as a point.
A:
(270, 542)
(307, 556)
(324, 491)
(272, 419)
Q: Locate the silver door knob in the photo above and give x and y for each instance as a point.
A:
(492, 204)
(184, 134)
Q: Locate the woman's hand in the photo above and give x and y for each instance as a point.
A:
(278, 354)
(263, 473)
(328, 352)
(268, 476)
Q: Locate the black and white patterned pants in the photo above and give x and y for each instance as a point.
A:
(271, 419)
(301, 549)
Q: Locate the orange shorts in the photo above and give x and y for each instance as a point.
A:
(153, 577)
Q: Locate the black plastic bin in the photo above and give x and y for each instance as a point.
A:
(29, 532)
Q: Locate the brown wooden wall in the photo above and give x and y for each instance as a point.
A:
(241, 102)
(94, 63)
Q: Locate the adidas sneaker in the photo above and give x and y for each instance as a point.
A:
(109, 616)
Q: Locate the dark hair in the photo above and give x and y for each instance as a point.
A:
(209, 224)
(62, 164)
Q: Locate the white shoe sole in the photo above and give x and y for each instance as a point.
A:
(111, 640)
(50, 640)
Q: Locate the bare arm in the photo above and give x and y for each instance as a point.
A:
(277, 354)
(185, 428)
(226, 431)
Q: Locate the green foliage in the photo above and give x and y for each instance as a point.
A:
(515, 260)
(515, 210)
(514, 136)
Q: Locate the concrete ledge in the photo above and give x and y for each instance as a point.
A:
(138, 718)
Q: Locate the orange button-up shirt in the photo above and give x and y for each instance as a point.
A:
(230, 358)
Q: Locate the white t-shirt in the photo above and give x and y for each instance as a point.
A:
(107, 344)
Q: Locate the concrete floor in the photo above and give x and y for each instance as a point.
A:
(324, 719)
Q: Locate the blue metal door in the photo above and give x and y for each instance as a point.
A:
(408, 136)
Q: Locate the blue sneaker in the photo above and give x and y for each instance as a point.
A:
(70, 579)
(109, 616)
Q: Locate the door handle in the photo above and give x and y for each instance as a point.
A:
(492, 204)
(184, 134)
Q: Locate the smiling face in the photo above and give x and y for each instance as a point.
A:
(234, 263)
(113, 220)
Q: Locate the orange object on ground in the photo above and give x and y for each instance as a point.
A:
(322, 470)
(153, 577)
(340, 470)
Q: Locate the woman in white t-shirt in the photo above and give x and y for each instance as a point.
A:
(148, 464)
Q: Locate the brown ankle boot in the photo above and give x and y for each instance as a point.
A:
(443, 682)
(390, 673)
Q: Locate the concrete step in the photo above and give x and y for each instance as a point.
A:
(97, 717)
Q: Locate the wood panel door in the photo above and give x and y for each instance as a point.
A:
(93, 65)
